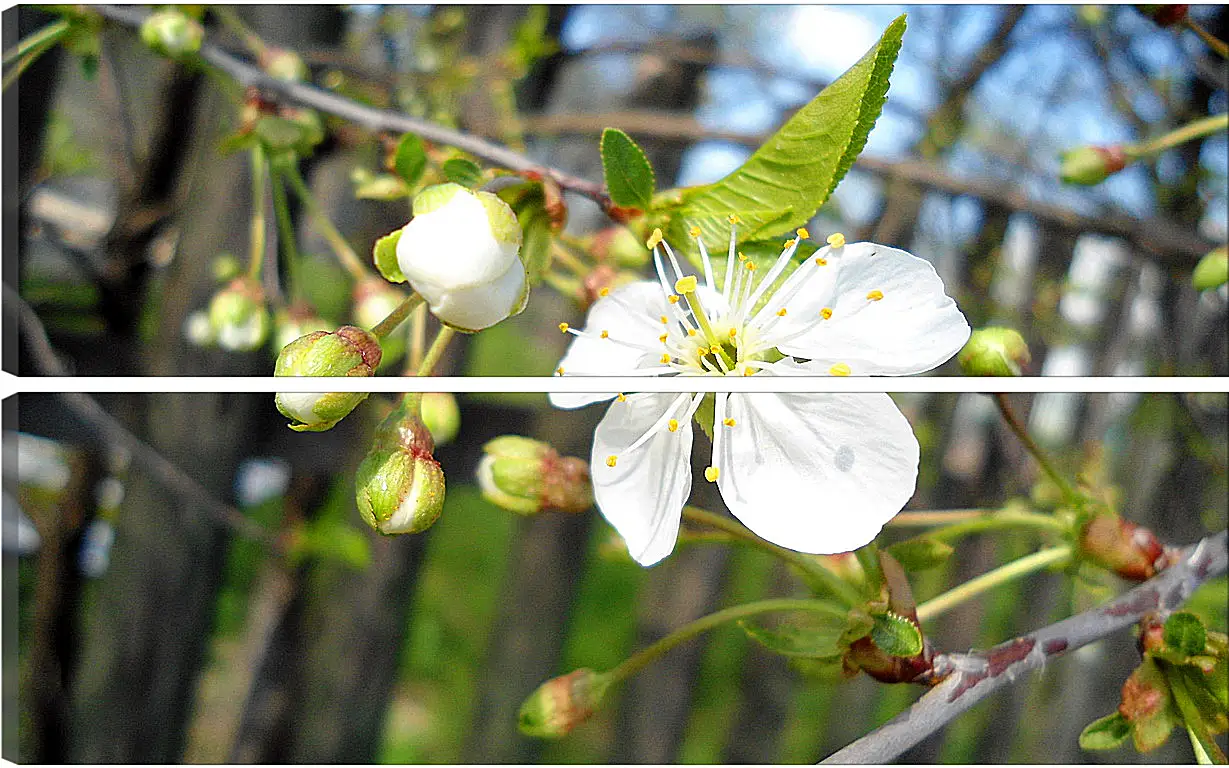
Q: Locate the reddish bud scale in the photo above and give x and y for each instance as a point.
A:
(1129, 550)
(1164, 15)
(865, 655)
(1115, 158)
(565, 483)
(599, 278)
(621, 214)
(367, 346)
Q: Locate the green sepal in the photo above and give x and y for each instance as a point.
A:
(384, 254)
(462, 171)
(278, 134)
(896, 636)
(921, 553)
(629, 175)
(1107, 732)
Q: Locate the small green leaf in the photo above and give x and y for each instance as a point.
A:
(536, 237)
(411, 159)
(629, 176)
(1185, 633)
(896, 635)
(788, 178)
(1106, 733)
(921, 553)
(384, 254)
(384, 187)
(462, 171)
(278, 133)
(237, 141)
(799, 637)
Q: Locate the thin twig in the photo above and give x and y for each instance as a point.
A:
(111, 430)
(379, 120)
(972, 677)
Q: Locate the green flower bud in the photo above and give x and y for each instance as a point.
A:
(461, 251)
(283, 65)
(441, 415)
(1089, 166)
(1212, 270)
(348, 351)
(238, 316)
(527, 477)
(562, 703)
(994, 352)
(399, 487)
(173, 34)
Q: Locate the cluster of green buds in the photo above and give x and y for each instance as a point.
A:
(994, 352)
(527, 477)
(1182, 681)
(348, 351)
(172, 33)
(238, 316)
(399, 487)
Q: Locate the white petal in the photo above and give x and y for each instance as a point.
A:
(915, 326)
(453, 246)
(643, 494)
(481, 306)
(817, 473)
(630, 314)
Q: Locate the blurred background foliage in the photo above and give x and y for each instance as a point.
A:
(175, 638)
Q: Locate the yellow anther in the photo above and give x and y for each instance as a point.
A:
(673, 299)
(733, 218)
(875, 295)
(622, 398)
(673, 425)
(802, 233)
(742, 256)
(840, 369)
(686, 284)
(715, 349)
(563, 327)
(825, 313)
(662, 338)
(781, 312)
(605, 334)
(665, 320)
(729, 422)
(733, 332)
(612, 460)
(790, 243)
(711, 474)
(694, 231)
(691, 331)
(836, 240)
(821, 262)
(750, 266)
(748, 371)
(665, 358)
(654, 239)
(604, 292)
(559, 371)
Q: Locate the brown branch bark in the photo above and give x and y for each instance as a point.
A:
(971, 677)
(379, 120)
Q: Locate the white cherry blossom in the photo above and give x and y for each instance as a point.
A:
(816, 473)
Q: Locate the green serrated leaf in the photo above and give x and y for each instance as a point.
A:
(629, 176)
(462, 171)
(808, 637)
(411, 159)
(1106, 733)
(920, 553)
(384, 254)
(896, 635)
(1185, 633)
(788, 178)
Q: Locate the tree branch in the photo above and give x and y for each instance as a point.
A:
(971, 677)
(110, 429)
(379, 120)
